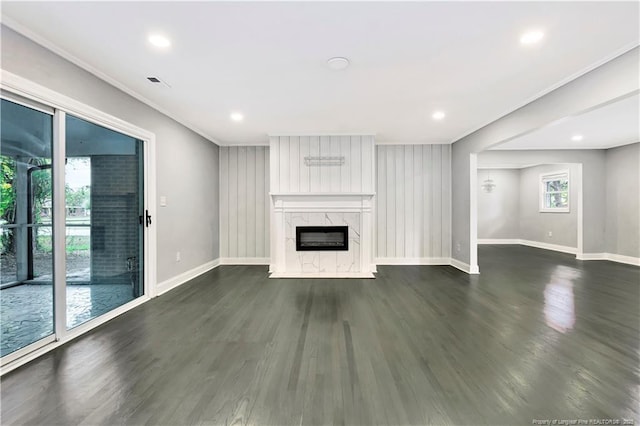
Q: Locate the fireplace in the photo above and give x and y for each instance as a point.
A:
(322, 238)
(322, 192)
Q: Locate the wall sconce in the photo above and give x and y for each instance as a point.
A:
(488, 185)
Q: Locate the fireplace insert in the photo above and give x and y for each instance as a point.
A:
(325, 238)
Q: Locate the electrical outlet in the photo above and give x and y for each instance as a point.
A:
(457, 246)
(177, 256)
(550, 234)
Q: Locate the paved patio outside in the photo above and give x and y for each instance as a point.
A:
(26, 311)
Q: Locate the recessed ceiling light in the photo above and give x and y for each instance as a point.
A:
(577, 138)
(531, 37)
(159, 40)
(438, 115)
(236, 116)
(338, 63)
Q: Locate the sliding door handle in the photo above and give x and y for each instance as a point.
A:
(148, 217)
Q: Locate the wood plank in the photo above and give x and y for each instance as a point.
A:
(325, 172)
(314, 171)
(335, 172)
(284, 164)
(267, 201)
(233, 201)
(224, 201)
(427, 203)
(418, 202)
(356, 163)
(368, 154)
(304, 169)
(251, 204)
(446, 200)
(436, 199)
(418, 345)
(294, 163)
(391, 202)
(381, 201)
(274, 161)
(262, 208)
(410, 228)
(345, 172)
(241, 173)
(399, 204)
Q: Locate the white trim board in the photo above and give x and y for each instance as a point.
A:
(244, 261)
(499, 241)
(465, 267)
(413, 261)
(322, 275)
(186, 276)
(529, 243)
(630, 260)
(620, 258)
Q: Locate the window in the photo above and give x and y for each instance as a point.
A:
(554, 192)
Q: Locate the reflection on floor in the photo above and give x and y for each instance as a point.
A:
(26, 311)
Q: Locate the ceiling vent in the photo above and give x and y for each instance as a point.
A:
(156, 80)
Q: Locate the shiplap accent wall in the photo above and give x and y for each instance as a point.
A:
(289, 174)
(413, 204)
(244, 204)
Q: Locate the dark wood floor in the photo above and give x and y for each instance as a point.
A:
(538, 335)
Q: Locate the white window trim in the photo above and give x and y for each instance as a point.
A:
(553, 176)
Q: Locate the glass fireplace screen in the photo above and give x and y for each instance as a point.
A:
(329, 238)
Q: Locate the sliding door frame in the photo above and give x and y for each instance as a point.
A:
(62, 105)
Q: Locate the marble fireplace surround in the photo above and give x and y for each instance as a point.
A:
(322, 209)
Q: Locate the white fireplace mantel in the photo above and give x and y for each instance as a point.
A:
(322, 180)
(318, 209)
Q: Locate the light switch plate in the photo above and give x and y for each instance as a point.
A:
(163, 201)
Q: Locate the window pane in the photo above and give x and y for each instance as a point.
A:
(104, 233)
(26, 257)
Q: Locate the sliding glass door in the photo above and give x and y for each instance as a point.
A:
(72, 223)
(26, 255)
(104, 220)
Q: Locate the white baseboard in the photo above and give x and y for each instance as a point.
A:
(244, 260)
(629, 260)
(465, 267)
(178, 280)
(529, 243)
(413, 261)
(322, 275)
(547, 246)
(499, 241)
(591, 256)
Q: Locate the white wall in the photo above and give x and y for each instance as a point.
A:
(499, 210)
(289, 174)
(187, 164)
(623, 205)
(244, 204)
(536, 225)
(413, 203)
(592, 162)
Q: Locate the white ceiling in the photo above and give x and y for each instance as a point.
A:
(612, 125)
(268, 60)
